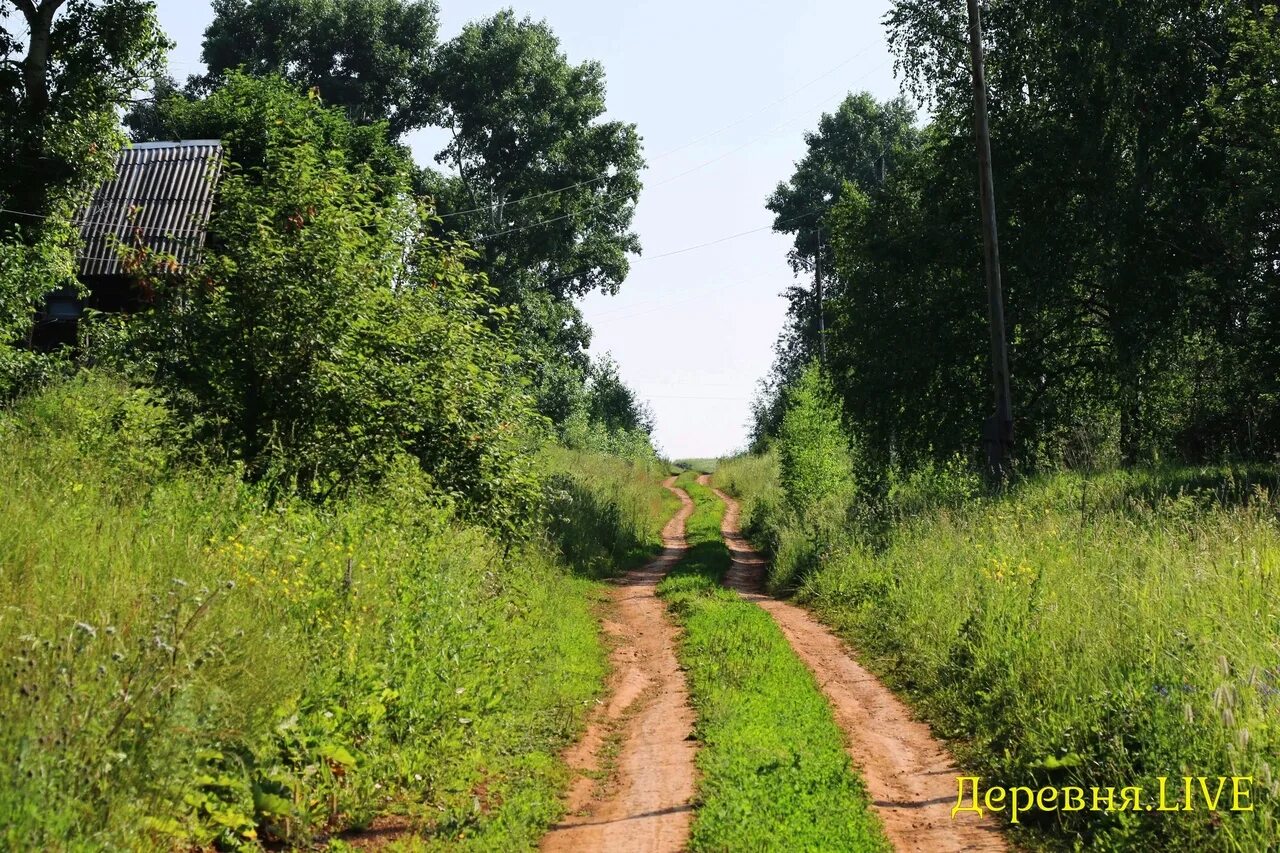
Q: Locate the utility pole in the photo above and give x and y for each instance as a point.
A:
(998, 430)
(822, 314)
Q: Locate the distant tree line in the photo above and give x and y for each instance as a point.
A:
(1135, 151)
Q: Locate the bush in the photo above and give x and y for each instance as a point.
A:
(814, 459)
(326, 332)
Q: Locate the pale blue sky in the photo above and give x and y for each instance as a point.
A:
(694, 331)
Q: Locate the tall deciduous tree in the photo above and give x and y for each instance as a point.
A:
(860, 144)
(550, 185)
(62, 78)
(370, 57)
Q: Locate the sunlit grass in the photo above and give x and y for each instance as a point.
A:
(186, 664)
(773, 771)
(1086, 630)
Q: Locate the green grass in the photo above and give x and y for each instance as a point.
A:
(605, 513)
(187, 665)
(1090, 631)
(701, 466)
(773, 771)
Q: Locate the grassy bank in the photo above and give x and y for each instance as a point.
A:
(188, 665)
(605, 514)
(774, 773)
(1090, 631)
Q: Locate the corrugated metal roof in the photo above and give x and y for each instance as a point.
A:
(161, 197)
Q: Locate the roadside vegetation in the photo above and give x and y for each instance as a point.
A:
(1079, 629)
(773, 770)
(308, 536)
(1105, 614)
(702, 466)
(189, 662)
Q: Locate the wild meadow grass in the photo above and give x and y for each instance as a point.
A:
(773, 771)
(605, 513)
(1097, 630)
(186, 664)
(702, 466)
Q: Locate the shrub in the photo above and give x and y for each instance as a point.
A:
(326, 332)
(813, 453)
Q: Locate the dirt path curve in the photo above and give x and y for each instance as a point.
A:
(910, 775)
(644, 805)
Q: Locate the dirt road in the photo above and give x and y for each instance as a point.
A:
(910, 775)
(643, 803)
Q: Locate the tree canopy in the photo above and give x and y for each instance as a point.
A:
(60, 86)
(1138, 226)
(370, 57)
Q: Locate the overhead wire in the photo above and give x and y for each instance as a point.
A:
(678, 148)
(515, 229)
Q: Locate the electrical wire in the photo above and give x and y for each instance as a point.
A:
(689, 144)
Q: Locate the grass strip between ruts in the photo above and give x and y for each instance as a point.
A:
(773, 770)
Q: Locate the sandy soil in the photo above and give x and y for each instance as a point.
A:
(643, 804)
(909, 773)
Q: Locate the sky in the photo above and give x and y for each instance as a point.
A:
(722, 92)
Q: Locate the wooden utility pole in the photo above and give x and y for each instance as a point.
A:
(822, 313)
(998, 431)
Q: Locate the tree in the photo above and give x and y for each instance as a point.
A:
(327, 332)
(813, 452)
(58, 134)
(546, 188)
(612, 403)
(370, 57)
(861, 144)
(58, 126)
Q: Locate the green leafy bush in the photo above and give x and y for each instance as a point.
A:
(326, 332)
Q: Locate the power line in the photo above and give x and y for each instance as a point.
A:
(690, 143)
(515, 229)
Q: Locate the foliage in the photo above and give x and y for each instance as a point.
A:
(58, 129)
(58, 134)
(605, 512)
(372, 58)
(1137, 216)
(27, 274)
(326, 332)
(538, 181)
(858, 144)
(543, 186)
(188, 665)
(528, 146)
(813, 451)
(773, 770)
(812, 508)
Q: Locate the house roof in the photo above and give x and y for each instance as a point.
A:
(161, 197)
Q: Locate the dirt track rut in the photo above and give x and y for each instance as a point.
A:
(644, 804)
(909, 773)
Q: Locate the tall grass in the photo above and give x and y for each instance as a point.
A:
(1088, 630)
(187, 665)
(605, 513)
